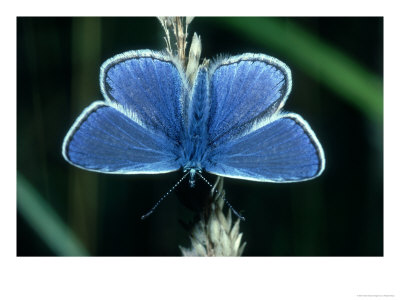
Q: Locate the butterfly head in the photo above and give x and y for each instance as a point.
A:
(192, 172)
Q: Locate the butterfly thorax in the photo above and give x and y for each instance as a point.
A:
(196, 137)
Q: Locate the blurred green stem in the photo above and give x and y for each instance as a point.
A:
(83, 197)
(44, 220)
(340, 73)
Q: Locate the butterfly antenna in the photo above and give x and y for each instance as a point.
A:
(163, 197)
(226, 201)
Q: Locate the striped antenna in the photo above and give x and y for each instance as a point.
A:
(226, 201)
(163, 197)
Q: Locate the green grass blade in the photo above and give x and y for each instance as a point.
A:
(44, 220)
(323, 62)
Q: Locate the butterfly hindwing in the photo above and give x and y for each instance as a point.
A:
(107, 139)
(284, 149)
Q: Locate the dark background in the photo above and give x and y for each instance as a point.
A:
(337, 214)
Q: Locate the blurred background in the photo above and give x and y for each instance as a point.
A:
(337, 68)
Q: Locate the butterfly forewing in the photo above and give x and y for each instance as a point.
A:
(243, 89)
(151, 85)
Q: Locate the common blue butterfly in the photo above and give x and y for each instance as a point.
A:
(229, 122)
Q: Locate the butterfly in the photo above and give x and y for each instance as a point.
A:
(229, 122)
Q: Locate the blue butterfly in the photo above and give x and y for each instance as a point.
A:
(229, 122)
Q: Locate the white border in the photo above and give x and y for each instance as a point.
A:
(244, 278)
